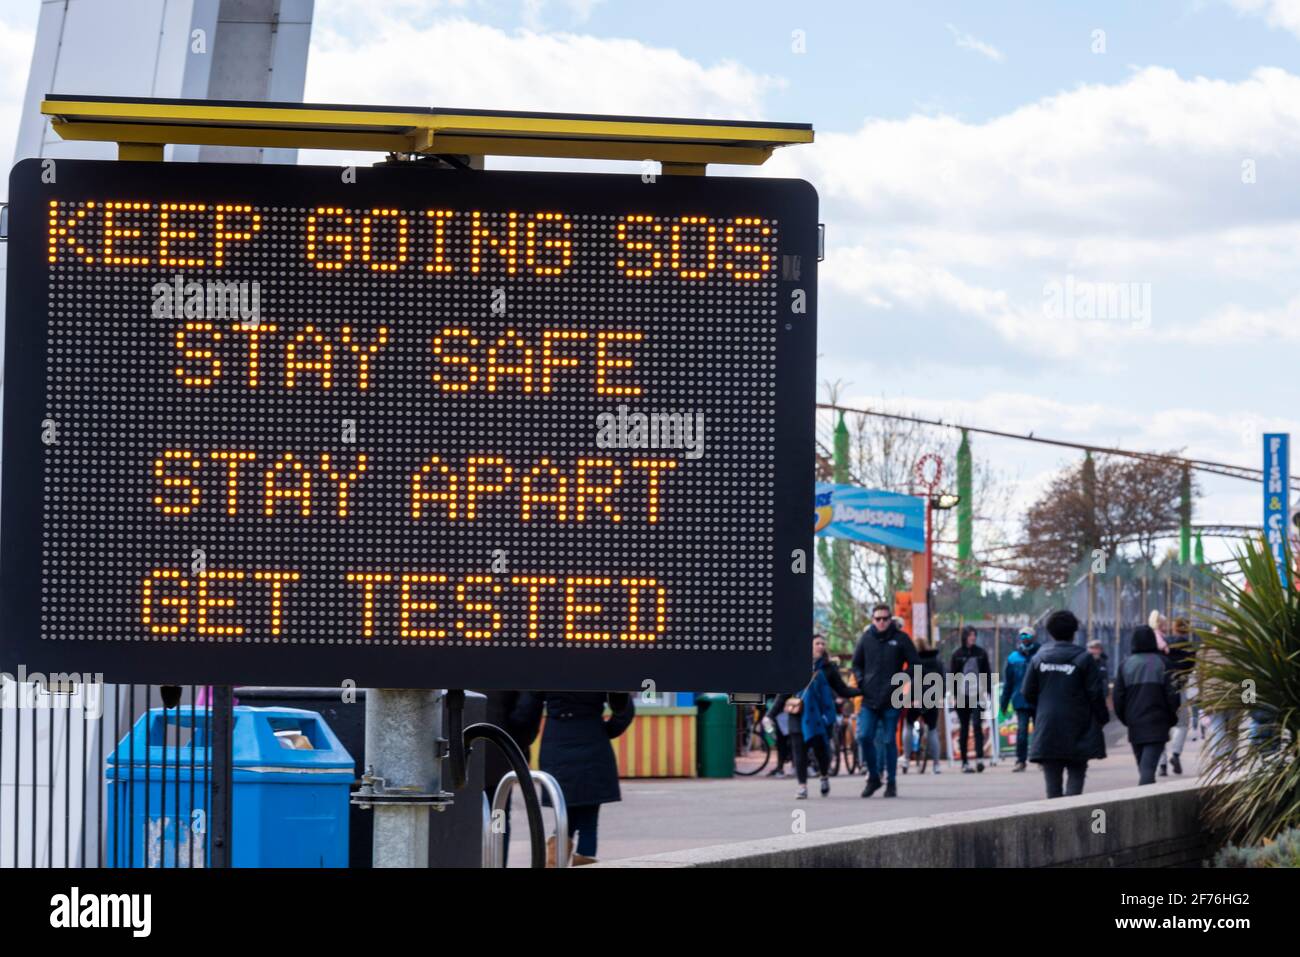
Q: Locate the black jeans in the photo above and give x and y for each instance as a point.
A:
(965, 716)
(1148, 756)
(1052, 772)
(583, 819)
(1023, 717)
(799, 751)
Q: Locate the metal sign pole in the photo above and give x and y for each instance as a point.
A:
(221, 813)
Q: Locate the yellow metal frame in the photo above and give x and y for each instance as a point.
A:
(143, 127)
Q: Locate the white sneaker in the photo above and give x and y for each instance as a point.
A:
(936, 767)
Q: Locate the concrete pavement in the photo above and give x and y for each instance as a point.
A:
(658, 815)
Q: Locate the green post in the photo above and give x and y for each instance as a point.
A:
(1200, 550)
(1185, 518)
(965, 514)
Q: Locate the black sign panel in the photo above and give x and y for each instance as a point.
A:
(408, 427)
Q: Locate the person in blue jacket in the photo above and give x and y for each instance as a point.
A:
(1013, 676)
(812, 716)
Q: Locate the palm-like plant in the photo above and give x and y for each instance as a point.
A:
(1248, 673)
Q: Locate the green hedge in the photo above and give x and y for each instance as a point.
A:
(1282, 852)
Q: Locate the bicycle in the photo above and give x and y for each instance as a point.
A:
(753, 738)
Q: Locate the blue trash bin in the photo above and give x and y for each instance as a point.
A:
(292, 781)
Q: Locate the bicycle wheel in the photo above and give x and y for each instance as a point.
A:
(849, 748)
(836, 749)
(748, 764)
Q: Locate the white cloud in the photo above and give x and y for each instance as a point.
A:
(1277, 13)
(16, 42)
(454, 62)
(1135, 182)
(968, 42)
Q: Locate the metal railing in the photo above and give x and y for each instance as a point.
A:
(494, 844)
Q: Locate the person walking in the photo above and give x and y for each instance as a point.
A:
(1146, 701)
(929, 663)
(1013, 676)
(883, 651)
(1063, 686)
(1181, 662)
(1098, 652)
(779, 722)
(971, 662)
(812, 717)
(576, 751)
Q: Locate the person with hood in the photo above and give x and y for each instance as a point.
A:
(1063, 686)
(971, 662)
(576, 751)
(1180, 659)
(1013, 676)
(812, 717)
(883, 651)
(1146, 701)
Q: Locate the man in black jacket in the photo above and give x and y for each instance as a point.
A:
(970, 663)
(1063, 685)
(1146, 702)
(882, 652)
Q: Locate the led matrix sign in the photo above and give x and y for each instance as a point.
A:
(408, 427)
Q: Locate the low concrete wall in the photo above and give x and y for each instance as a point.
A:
(1152, 826)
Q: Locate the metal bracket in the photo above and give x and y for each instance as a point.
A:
(373, 793)
(746, 697)
(821, 242)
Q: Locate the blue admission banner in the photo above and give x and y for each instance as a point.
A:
(1277, 505)
(866, 515)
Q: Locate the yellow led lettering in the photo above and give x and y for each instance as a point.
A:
(421, 493)
(319, 243)
(507, 249)
(167, 234)
(225, 235)
(113, 232)
(368, 581)
(584, 491)
(277, 581)
(634, 587)
(367, 249)
(653, 468)
(524, 369)
(605, 361)
(255, 334)
(534, 585)
(761, 260)
(639, 225)
(274, 491)
(201, 378)
(184, 482)
(205, 602)
(323, 364)
(573, 608)
(486, 607)
(551, 358)
(364, 353)
(561, 247)
(412, 606)
(344, 481)
(710, 248)
(177, 600)
(65, 234)
(440, 262)
(455, 359)
(475, 488)
(529, 499)
(232, 460)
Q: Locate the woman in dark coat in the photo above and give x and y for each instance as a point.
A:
(1146, 701)
(577, 753)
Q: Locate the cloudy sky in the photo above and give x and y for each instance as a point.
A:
(982, 169)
